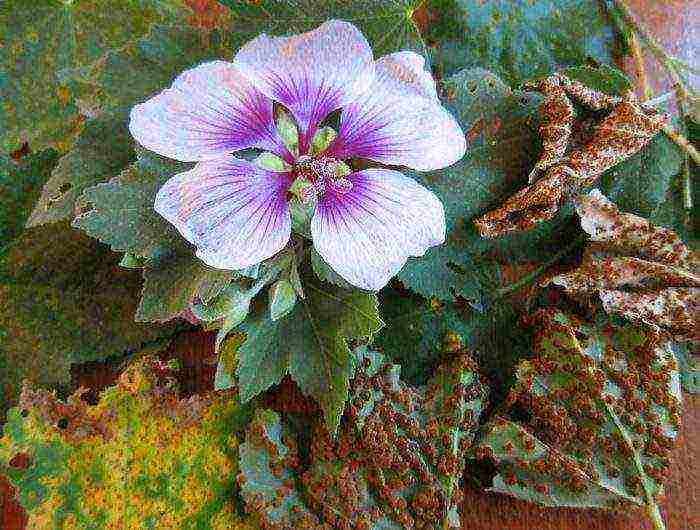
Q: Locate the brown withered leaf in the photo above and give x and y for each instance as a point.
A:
(568, 167)
(639, 271)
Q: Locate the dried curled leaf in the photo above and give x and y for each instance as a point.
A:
(604, 407)
(570, 162)
(141, 458)
(639, 271)
(396, 463)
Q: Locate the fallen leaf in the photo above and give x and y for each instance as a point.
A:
(141, 455)
(396, 464)
(641, 272)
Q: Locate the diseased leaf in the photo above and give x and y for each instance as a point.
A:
(641, 272)
(101, 151)
(310, 344)
(397, 461)
(148, 64)
(141, 458)
(518, 40)
(225, 376)
(574, 155)
(42, 39)
(689, 368)
(64, 300)
(20, 186)
(604, 405)
(387, 24)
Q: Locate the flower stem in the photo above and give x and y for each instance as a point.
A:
(639, 67)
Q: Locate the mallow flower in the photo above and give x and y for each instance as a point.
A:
(237, 213)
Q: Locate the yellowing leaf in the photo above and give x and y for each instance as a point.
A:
(141, 458)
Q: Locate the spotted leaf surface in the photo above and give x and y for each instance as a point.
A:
(397, 460)
(20, 186)
(141, 458)
(604, 404)
(41, 41)
(101, 151)
(65, 300)
(637, 270)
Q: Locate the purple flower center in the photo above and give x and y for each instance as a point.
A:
(313, 176)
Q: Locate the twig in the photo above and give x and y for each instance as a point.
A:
(658, 100)
(639, 67)
(668, 62)
(685, 175)
(683, 143)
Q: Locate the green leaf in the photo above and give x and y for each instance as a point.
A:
(235, 315)
(641, 184)
(603, 78)
(230, 307)
(120, 212)
(283, 298)
(399, 455)
(605, 407)
(234, 299)
(140, 458)
(65, 300)
(387, 24)
(42, 39)
(310, 344)
(500, 125)
(518, 40)
(101, 151)
(172, 283)
(134, 73)
(417, 332)
(20, 186)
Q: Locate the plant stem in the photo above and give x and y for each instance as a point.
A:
(658, 100)
(528, 278)
(683, 143)
(668, 62)
(655, 517)
(685, 175)
(640, 69)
